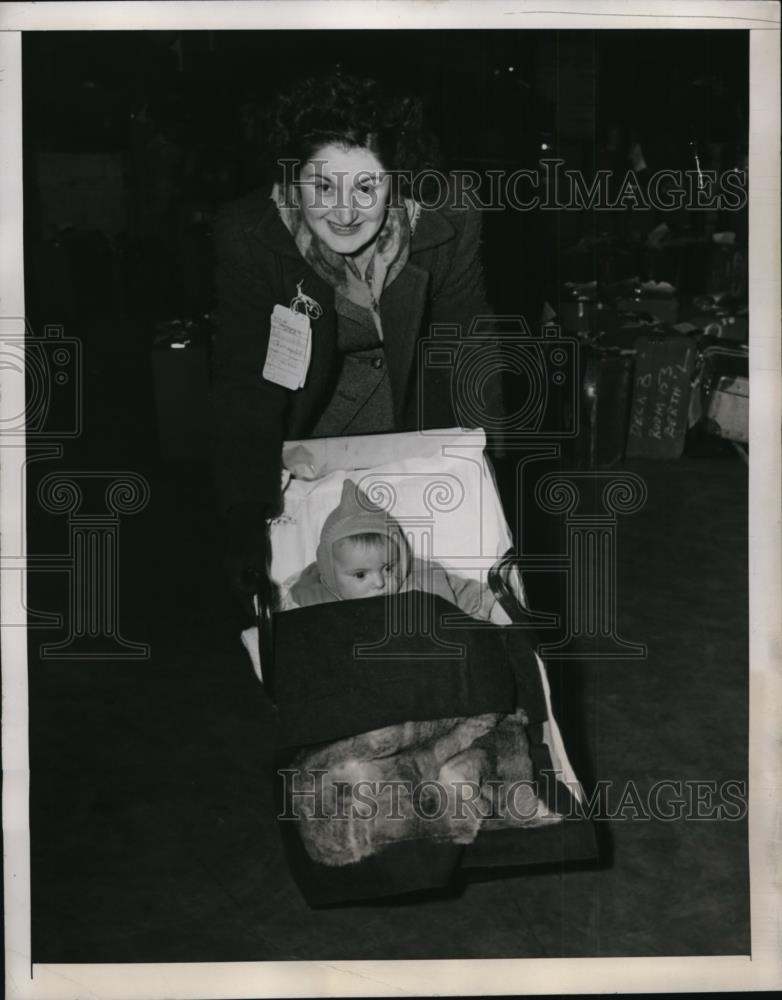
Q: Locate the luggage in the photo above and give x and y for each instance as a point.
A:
(606, 386)
(727, 414)
(659, 416)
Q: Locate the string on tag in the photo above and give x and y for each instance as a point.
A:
(302, 303)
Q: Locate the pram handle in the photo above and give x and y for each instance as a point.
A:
(499, 586)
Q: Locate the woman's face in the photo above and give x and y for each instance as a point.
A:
(343, 195)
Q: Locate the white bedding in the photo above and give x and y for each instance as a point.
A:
(441, 490)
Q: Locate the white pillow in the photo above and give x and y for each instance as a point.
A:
(442, 492)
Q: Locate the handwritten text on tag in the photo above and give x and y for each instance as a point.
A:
(290, 347)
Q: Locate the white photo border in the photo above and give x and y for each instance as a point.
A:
(761, 971)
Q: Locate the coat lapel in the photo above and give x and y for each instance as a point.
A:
(432, 230)
(402, 307)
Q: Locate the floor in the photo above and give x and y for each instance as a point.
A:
(152, 825)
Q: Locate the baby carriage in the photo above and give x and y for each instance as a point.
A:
(413, 742)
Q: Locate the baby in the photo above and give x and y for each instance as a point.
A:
(364, 553)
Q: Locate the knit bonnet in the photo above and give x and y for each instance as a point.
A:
(357, 515)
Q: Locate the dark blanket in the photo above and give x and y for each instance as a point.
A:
(353, 666)
(404, 722)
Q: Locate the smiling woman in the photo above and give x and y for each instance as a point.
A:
(342, 256)
(343, 197)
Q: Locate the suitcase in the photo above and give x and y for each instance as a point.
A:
(606, 387)
(660, 408)
(727, 414)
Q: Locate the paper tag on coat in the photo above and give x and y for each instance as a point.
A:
(290, 346)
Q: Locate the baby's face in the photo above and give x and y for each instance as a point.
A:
(362, 570)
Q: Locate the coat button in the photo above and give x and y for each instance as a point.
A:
(377, 362)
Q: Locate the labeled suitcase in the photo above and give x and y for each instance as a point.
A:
(660, 409)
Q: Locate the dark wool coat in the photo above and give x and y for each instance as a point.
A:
(258, 267)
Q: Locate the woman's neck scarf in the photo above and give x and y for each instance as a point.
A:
(390, 252)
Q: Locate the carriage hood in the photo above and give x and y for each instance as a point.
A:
(355, 515)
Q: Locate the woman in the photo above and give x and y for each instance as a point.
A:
(343, 239)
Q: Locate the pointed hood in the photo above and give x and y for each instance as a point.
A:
(355, 515)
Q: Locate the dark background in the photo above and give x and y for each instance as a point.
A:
(186, 112)
(179, 121)
(151, 821)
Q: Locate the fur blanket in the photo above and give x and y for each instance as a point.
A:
(445, 779)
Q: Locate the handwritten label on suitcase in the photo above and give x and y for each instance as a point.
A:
(661, 397)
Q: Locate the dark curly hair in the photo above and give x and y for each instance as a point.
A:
(352, 112)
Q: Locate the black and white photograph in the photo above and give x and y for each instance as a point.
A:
(390, 538)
